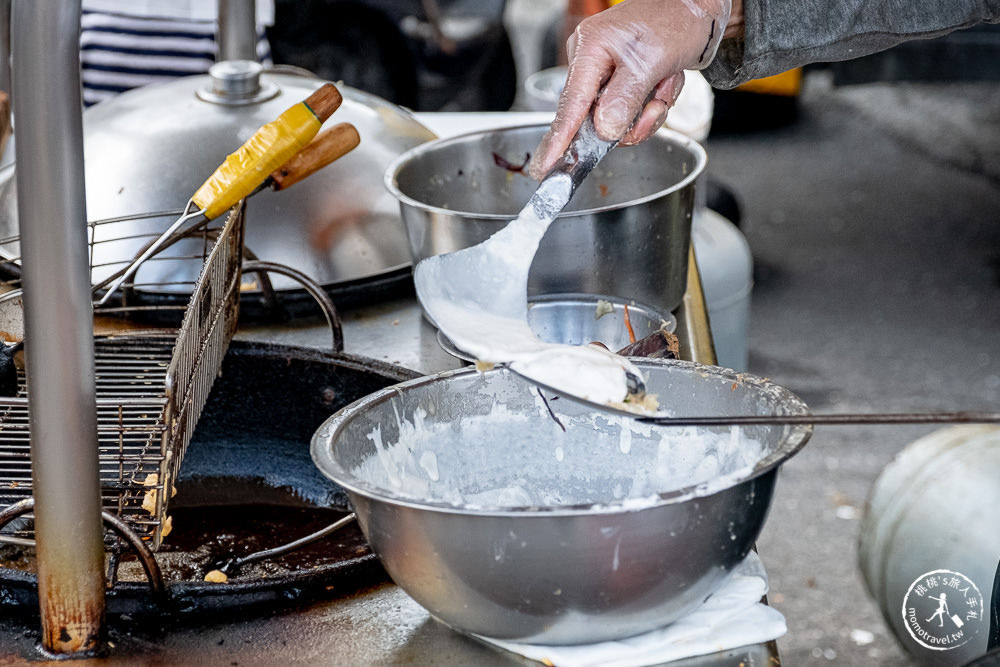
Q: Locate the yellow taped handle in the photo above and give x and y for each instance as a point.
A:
(268, 149)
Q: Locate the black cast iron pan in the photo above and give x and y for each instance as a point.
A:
(248, 465)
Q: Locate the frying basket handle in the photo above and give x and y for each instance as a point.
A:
(313, 288)
(154, 574)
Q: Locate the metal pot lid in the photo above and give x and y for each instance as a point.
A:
(149, 149)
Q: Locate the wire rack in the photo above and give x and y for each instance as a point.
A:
(151, 386)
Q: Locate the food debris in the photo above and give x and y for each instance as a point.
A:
(604, 190)
(483, 366)
(216, 577)
(168, 525)
(500, 161)
(628, 325)
(149, 498)
(862, 637)
(661, 344)
(647, 404)
(604, 307)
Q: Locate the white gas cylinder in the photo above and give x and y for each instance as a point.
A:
(726, 267)
(930, 543)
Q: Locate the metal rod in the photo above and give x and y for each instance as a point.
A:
(237, 30)
(153, 573)
(693, 326)
(191, 211)
(47, 100)
(146, 558)
(831, 419)
(316, 291)
(235, 563)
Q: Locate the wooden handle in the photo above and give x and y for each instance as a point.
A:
(328, 145)
(324, 101)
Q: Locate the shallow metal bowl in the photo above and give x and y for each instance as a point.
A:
(625, 234)
(597, 564)
(578, 319)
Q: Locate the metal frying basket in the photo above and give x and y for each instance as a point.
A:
(151, 388)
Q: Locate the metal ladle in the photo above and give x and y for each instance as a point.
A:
(830, 419)
(492, 277)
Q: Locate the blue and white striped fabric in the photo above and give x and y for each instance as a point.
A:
(119, 52)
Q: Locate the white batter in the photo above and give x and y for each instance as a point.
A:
(488, 316)
(508, 459)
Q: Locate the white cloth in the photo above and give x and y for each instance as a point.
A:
(181, 10)
(733, 616)
(125, 45)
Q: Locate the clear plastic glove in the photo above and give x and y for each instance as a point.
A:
(631, 59)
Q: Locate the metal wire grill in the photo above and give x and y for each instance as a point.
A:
(151, 388)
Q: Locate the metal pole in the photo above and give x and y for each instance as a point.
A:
(237, 30)
(58, 323)
(692, 319)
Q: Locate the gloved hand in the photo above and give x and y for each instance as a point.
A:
(632, 57)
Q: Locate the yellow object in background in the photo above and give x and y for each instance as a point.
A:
(787, 83)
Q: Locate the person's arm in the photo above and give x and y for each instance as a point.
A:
(778, 35)
(627, 64)
(631, 56)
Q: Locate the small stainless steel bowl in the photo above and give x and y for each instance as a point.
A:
(578, 319)
(600, 564)
(625, 234)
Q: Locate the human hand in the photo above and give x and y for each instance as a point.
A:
(630, 61)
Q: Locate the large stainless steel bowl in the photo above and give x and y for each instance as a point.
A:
(625, 234)
(618, 554)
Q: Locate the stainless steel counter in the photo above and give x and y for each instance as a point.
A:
(394, 332)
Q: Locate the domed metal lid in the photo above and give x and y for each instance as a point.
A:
(149, 149)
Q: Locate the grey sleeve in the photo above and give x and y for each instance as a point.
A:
(783, 34)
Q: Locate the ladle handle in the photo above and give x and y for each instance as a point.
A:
(830, 419)
(584, 152)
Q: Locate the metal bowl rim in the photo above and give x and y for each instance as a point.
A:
(562, 297)
(322, 451)
(394, 167)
